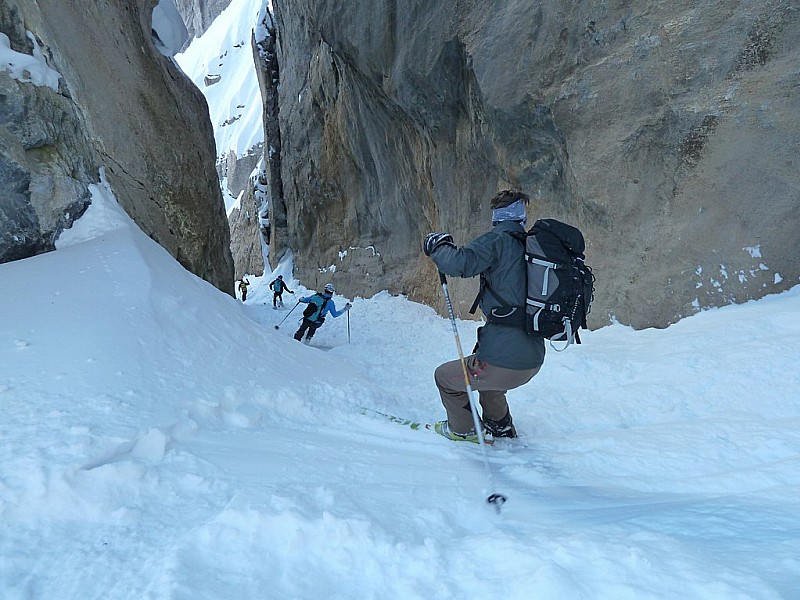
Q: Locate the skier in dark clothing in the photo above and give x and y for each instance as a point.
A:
(506, 357)
(243, 288)
(278, 286)
(319, 305)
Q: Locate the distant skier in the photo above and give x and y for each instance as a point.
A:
(319, 305)
(243, 288)
(278, 286)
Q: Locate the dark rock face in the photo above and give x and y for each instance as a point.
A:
(20, 236)
(122, 106)
(268, 73)
(45, 162)
(665, 130)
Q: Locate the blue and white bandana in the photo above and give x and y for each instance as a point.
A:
(513, 212)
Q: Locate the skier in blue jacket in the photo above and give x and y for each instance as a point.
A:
(319, 305)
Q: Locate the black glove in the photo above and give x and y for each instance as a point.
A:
(434, 240)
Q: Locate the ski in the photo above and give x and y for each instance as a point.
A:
(415, 425)
(411, 424)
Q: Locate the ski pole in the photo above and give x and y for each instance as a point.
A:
(287, 315)
(348, 326)
(494, 498)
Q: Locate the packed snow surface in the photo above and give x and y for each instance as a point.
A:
(162, 440)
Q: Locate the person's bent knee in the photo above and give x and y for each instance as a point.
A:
(449, 377)
(439, 375)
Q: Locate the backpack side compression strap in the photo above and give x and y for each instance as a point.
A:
(481, 292)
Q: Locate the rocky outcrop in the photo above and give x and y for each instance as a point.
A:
(199, 14)
(248, 220)
(45, 161)
(664, 129)
(265, 58)
(250, 229)
(238, 170)
(125, 107)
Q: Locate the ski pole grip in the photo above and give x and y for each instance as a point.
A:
(442, 278)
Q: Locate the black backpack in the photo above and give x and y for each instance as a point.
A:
(560, 286)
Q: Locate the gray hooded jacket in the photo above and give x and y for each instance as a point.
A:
(500, 258)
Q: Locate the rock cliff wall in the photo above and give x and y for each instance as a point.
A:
(46, 163)
(666, 130)
(120, 105)
(199, 14)
(250, 229)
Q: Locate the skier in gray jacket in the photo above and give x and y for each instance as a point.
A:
(506, 357)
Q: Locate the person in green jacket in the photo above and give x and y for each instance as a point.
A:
(243, 288)
(505, 357)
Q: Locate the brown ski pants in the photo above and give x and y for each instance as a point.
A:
(489, 381)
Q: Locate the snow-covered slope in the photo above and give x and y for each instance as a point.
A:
(163, 440)
(220, 63)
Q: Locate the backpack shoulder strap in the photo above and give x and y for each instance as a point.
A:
(519, 235)
(322, 307)
(522, 236)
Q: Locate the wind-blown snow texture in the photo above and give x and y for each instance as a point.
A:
(162, 440)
